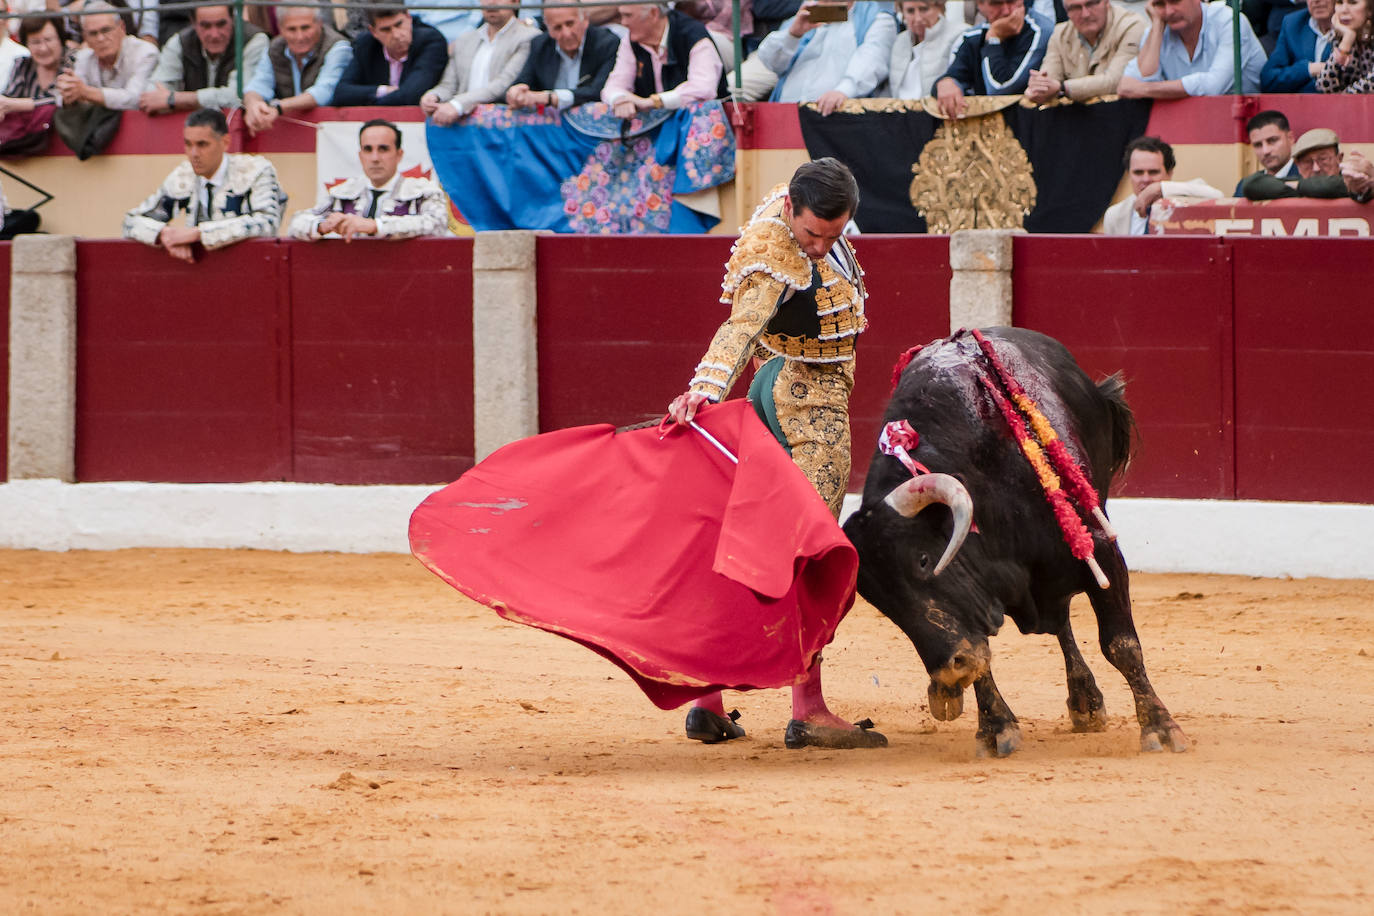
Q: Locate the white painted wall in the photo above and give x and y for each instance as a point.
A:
(1157, 535)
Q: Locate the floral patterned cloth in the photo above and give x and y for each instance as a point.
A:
(584, 170)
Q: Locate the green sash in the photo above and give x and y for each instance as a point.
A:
(761, 396)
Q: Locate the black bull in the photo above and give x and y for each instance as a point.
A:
(1014, 560)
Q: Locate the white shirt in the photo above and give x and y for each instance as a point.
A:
(203, 202)
(907, 85)
(130, 77)
(1323, 38)
(569, 72)
(479, 74)
(10, 51)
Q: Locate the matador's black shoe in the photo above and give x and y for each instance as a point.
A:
(803, 734)
(704, 725)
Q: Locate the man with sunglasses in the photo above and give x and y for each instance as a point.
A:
(196, 66)
(1087, 54)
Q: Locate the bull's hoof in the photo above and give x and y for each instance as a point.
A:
(946, 702)
(1088, 720)
(1166, 734)
(1001, 743)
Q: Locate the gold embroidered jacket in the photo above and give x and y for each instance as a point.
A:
(765, 265)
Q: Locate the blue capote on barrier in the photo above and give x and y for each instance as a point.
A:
(574, 171)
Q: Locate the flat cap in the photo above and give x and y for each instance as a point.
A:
(1316, 138)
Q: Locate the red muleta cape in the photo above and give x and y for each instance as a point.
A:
(690, 572)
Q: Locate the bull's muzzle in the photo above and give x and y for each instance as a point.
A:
(911, 496)
(967, 663)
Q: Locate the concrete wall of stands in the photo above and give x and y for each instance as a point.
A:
(1249, 361)
(92, 196)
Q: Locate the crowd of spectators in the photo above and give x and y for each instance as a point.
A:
(77, 71)
(121, 54)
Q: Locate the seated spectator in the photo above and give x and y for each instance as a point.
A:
(395, 62)
(114, 69)
(828, 62)
(1350, 68)
(1272, 140)
(1358, 174)
(302, 66)
(383, 205)
(227, 197)
(995, 58)
(719, 19)
(1150, 164)
(1088, 54)
(1317, 155)
(669, 61)
(1187, 50)
(30, 97)
(142, 18)
(569, 65)
(196, 66)
(920, 54)
(1304, 42)
(11, 51)
(482, 65)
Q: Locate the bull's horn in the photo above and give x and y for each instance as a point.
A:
(911, 496)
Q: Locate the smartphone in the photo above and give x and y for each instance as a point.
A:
(829, 12)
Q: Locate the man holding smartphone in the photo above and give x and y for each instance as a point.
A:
(830, 52)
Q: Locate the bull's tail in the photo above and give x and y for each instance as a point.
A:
(1113, 389)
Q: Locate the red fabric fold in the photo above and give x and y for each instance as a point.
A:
(691, 573)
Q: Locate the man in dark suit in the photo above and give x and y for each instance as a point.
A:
(1272, 140)
(1304, 42)
(569, 65)
(395, 62)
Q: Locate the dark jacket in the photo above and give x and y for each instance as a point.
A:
(1286, 68)
(683, 34)
(1008, 64)
(599, 48)
(1261, 186)
(368, 70)
(1288, 171)
(196, 74)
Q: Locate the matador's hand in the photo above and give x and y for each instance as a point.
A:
(685, 406)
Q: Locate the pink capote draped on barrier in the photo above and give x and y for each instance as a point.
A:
(691, 573)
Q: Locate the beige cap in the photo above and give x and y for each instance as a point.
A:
(1316, 138)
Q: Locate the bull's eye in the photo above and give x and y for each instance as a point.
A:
(925, 561)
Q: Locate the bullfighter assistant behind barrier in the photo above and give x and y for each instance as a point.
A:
(797, 304)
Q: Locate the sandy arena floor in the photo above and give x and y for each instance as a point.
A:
(245, 732)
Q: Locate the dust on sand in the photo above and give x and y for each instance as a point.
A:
(248, 732)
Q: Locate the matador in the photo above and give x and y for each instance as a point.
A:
(796, 297)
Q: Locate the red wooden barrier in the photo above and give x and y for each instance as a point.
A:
(1304, 369)
(1160, 313)
(181, 370)
(381, 361)
(622, 323)
(5, 357)
(352, 363)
